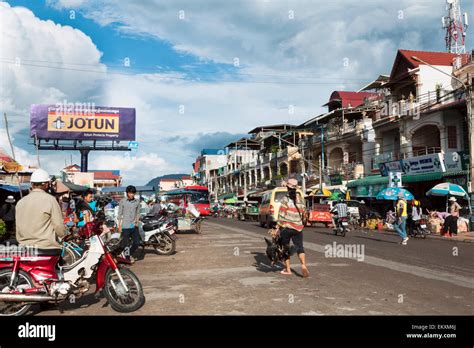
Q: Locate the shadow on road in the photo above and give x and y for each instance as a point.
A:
(81, 302)
(263, 264)
(377, 239)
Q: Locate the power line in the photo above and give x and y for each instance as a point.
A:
(192, 69)
(169, 77)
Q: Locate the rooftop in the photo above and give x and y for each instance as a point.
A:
(348, 99)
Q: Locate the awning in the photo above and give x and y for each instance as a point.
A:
(75, 188)
(14, 188)
(227, 196)
(455, 173)
(422, 177)
(378, 179)
(122, 189)
(369, 180)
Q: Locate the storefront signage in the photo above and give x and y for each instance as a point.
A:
(335, 179)
(393, 166)
(432, 163)
(456, 161)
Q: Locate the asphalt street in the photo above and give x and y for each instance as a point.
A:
(224, 271)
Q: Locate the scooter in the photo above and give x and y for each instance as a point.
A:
(159, 232)
(419, 229)
(36, 277)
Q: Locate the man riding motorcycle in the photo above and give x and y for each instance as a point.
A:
(339, 211)
(39, 221)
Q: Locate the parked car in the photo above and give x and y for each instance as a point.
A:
(270, 206)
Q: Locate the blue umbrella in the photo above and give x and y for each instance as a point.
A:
(447, 189)
(391, 194)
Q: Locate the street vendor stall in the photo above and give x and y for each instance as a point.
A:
(447, 189)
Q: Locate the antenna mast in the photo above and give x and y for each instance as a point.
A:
(455, 24)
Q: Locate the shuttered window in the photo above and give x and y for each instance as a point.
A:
(452, 137)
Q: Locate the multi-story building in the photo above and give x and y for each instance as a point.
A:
(412, 121)
(416, 111)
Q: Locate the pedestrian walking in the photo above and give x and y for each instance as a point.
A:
(290, 224)
(7, 214)
(128, 218)
(402, 215)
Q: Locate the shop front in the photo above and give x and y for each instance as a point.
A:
(418, 184)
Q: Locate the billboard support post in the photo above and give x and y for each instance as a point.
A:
(84, 159)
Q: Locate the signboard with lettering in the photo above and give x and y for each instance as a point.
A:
(432, 163)
(393, 166)
(74, 122)
(335, 179)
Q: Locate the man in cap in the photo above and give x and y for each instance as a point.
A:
(402, 214)
(451, 222)
(290, 225)
(39, 221)
(7, 214)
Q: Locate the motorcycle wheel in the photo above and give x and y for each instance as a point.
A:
(24, 281)
(119, 299)
(197, 227)
(343, 233)
(163, 244)
(68, 257)
(423, 234)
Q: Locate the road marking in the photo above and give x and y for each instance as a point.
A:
(223, 271)
(458, 280)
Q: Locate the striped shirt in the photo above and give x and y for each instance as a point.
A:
(288, 215)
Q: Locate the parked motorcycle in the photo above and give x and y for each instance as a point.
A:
(160, 233)
(419, 229)
(37, 278)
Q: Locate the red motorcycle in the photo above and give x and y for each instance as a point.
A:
(36, 277)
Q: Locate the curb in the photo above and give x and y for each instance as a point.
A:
(433, 236)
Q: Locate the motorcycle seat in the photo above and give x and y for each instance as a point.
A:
(49, 252)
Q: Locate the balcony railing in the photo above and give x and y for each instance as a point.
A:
(413, 105)
(426, 151)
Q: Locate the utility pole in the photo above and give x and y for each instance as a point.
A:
(303, 169)
(13, 152)
(320, 175)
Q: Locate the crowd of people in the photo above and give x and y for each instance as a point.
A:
(41, 219)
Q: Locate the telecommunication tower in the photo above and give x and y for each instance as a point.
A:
(455, 24)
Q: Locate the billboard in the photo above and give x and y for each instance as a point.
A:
(75, 122)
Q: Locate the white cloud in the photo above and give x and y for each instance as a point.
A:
(27, 44)
(271, 47)
(135, 168)
(262, 34)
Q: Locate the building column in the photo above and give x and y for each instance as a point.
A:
(367, 150)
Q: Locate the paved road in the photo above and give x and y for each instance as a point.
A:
(224, 270)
